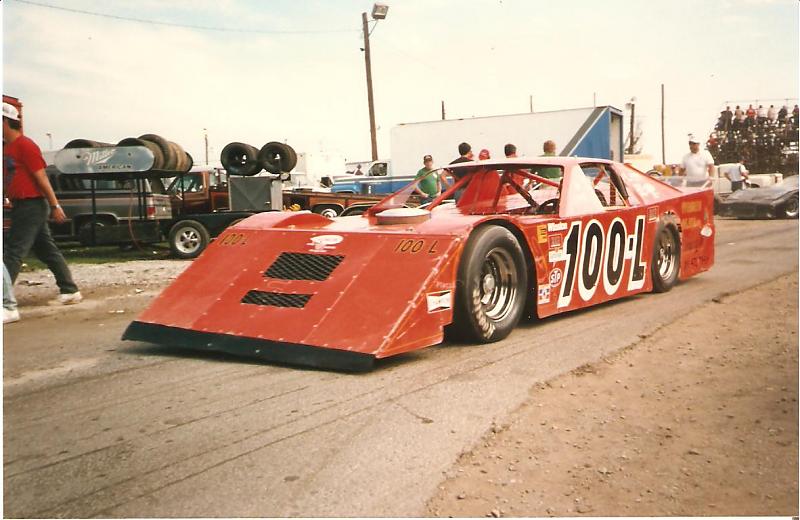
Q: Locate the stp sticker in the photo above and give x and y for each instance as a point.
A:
(555, 277)
(324, 242)
(544, 294)
(439, 301)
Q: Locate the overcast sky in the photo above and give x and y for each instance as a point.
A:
(100, 78)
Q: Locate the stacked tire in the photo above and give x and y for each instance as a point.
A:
(167, 155)
(246, 160)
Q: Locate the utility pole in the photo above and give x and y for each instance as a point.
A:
(50, 139)
(530, 102)
(633, 117)
(372, 133)
(594, 99)
(205, 136)
(443, 110)
(663, 150)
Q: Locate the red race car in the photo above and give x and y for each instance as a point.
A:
(539, 236)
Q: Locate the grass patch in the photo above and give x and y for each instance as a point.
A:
(75, 253)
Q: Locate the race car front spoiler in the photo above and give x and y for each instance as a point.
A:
(274, 351)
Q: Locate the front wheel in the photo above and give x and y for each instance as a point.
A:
(188, 238)
(491, 286)
(666, 259)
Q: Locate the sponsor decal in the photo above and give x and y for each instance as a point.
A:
(652, 214)
(555, 277)
(439, 301)
(559, 255)
(544, 294)
(596, 257)
(96, 157)
(693, 206)
(555, 241)
(557, 226)
(541, 234)
(324, 242)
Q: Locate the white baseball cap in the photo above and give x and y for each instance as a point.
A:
(694, 140)
(10, 111)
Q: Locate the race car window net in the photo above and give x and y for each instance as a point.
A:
(608, 185)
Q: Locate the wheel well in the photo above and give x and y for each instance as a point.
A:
(85, 219)
(523, 243)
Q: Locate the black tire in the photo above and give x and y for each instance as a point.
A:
(240, 159)
(277, 157)
(188, 238)
(487, 310)
(327, 210)
(158, 155)
(181, 159)
(84, 231)
(790, 208)
(85, 143)
(666, 263)
(170, 159)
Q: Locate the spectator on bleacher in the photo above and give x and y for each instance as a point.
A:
(728, 115)
(772, 113)
(782, 113)
(751, 112)
(795, 115)
(762, 114)
(739, 113)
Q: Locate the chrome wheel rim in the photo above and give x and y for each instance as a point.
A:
(188, 240)
(667, 256)
(329, 213)
(498, 284)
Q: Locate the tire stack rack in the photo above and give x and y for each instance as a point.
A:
(147, 157)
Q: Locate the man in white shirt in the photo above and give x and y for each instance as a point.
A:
(736, 173)
(697, 165)
(762, 113)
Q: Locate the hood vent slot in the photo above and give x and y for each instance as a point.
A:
(303, 266)
(271, 299)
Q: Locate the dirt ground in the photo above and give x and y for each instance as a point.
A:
(700, 418)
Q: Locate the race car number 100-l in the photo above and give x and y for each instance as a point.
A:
(602, 257)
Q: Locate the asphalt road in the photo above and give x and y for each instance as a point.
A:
(99, 427)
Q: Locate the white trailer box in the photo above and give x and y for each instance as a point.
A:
(590, 132)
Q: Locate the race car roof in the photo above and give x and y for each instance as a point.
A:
(499, 164)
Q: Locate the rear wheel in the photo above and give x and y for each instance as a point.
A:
(188, 238)
(790, 207)
(666, 259)
(491, 286)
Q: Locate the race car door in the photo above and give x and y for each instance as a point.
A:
(600, 247)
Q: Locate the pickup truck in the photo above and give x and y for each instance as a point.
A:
(375, 182)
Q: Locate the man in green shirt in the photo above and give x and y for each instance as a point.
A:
(548, 172)
(429, 185)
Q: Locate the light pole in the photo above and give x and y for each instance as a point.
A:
(50, 139)
(378, 13)
(632, 106)
(205, 136)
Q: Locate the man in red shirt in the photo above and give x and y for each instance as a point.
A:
(33, 201)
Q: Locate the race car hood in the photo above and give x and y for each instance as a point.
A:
(766, 194)
(283, 280)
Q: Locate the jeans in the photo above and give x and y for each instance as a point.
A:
(30, 232)
(9, 302)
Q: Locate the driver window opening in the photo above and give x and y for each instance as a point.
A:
(608, 186)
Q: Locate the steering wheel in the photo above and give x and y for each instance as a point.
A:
(548, 207)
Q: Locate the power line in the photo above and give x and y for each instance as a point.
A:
(183, 25)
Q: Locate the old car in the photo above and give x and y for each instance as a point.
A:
(776, 201)
(286, 286)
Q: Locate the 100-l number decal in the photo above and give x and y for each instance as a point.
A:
(602, 257)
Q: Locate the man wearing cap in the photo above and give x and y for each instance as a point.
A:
(697, 165)
(32, 202)
(428, 184)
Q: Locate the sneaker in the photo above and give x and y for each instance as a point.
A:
(67, 299)
(10, 316)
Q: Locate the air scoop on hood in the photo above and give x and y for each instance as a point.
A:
(403, 216)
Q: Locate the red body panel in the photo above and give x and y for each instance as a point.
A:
(394, 287)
